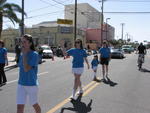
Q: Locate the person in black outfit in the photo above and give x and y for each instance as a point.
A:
(142, 50)
(17, 51)
(40, 52)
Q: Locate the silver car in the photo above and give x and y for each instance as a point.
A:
(117, 53)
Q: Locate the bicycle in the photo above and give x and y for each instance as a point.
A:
(140, 61)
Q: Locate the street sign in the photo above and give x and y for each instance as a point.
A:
(64, 21)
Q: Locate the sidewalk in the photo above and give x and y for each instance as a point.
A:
(11, 62)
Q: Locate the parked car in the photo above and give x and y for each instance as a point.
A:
(117, 53)
(47, 52)
(127, 48)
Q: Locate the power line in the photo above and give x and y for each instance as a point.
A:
(45, 14)
(48, 3)
(40, 15)
(58, 2)
(128, 12)
(56, 6)
(141, 1)
(127, 1)
(70, 8)
(34, 10)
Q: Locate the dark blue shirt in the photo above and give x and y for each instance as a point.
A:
(3, 52)
(105, 52)
(78, 57)
(94, 63)
(29, 78)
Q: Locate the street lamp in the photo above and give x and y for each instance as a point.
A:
(107, 26)
(102, 19)
(21, 25)
(122, 24)
(75, 21)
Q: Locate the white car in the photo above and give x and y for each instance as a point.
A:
(47, 52)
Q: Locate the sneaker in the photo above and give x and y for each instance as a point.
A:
(4, 83)
(94, 79)
(80, 92)
(72, 97)
(103, 79)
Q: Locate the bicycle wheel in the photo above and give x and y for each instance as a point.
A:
(140, 64)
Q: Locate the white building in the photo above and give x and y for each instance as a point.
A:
(87, 16)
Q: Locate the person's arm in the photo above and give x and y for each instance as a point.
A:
(109, 54)
(99, 57)
(86, 60)
(25, 64)
(69, 52)
(6, 60)
(145, 51)
(138, 49)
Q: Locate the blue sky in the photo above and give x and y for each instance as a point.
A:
(136, 25)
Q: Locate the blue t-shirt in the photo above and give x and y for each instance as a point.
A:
(78, 57)
(105, 52)
(29, 78)
(3, 52)
(94, 63)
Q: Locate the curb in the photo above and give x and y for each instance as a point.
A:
(7, 68)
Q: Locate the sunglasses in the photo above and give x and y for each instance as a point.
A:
(77, 42)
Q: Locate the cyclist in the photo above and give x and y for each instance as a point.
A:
(142, 50)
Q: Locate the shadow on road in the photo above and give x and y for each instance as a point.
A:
(110, 82)
(10, 67)
(78, 106)
(145, 70)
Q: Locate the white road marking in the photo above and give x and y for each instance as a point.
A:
(17, 79)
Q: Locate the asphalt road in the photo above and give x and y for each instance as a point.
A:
(130, 94)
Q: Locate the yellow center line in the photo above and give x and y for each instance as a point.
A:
(59, 105)
(90, 89)
(93, 84)
(88, 85)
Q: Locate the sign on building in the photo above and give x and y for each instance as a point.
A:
(66, 30)
(64, 21)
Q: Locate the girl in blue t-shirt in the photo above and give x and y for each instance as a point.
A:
(79, 55)
(27, 83)
(105, 56)
(94, 64)
(3, 62)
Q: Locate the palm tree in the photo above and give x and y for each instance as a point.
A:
(8, 10)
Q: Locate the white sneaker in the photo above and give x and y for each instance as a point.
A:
(80, 92)
(72, 97)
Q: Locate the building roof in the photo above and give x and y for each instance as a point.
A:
(47, 22)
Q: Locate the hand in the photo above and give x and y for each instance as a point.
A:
(6, 64)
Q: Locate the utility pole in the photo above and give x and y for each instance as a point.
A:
(122, 24)
(22, 21)
(107, 30)
(75, 21)
(102, 19)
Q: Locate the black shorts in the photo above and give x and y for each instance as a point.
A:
(104, 61)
